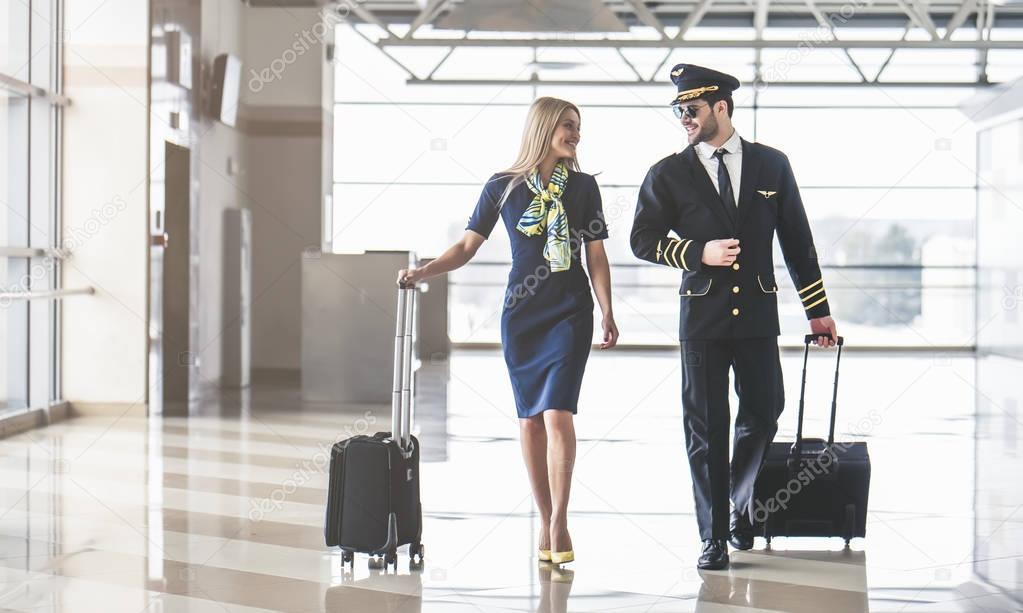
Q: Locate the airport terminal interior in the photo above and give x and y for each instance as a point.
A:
(205, 206)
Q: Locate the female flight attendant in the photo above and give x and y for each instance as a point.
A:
(550, 210)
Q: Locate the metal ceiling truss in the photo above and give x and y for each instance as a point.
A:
(834, 22)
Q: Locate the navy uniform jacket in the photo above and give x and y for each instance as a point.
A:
(737, 301)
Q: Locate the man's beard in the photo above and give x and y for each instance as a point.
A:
(708, 131)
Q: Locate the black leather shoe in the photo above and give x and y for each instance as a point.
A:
(740, 532)
(714, 555)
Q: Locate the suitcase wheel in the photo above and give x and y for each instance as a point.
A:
(850, 523)
(416, 556)
(381, 562)
(347, 557)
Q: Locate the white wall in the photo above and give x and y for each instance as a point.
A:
(104, 205)
(222, 32)
(284, 115)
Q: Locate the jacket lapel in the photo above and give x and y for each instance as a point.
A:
(707, 194)
(747, 184)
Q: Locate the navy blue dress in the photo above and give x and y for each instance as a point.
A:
(547, 322)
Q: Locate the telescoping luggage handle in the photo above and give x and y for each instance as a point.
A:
(798, 445)
(401, 398)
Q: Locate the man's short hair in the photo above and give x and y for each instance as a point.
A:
(714, 97)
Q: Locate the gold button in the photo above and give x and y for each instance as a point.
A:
(689, 291)
(735, 289)
(735, 266)
(735, 311)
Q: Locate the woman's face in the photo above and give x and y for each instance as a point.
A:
(566, 135)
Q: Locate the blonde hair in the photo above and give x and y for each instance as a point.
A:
(541, 122)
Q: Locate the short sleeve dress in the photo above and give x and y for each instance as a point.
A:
(547, 321)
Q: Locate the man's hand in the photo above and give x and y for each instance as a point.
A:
(824, 325)
(720, 252)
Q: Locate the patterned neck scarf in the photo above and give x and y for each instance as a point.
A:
(547, 213)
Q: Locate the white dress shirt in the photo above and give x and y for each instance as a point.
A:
(733, 162)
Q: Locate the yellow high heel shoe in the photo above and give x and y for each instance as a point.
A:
(562, 557)
(544, 555)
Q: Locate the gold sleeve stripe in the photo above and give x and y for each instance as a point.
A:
(657, 256)
(810, 306)
(808, 296)
(682, 257)
(814, 284)
(674, 249)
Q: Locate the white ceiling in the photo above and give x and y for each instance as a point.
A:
(849, 27)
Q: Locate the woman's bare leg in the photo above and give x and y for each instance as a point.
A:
(534, 452)
(560, 463)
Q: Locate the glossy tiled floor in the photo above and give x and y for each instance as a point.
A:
(223, 511)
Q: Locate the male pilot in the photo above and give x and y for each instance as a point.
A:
(723, 198)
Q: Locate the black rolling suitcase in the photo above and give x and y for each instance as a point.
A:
(813, 487)
(373, 501)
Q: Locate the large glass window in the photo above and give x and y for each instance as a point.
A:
(13, 233)
(887, 175)
(14, 47)
(29, 169)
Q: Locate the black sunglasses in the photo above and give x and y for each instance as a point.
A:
(689, 111)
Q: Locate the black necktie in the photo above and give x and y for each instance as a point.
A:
(725, 185)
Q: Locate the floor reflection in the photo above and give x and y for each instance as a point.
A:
(782, 588)
(555, 588)
(398, 591)
(380, 591)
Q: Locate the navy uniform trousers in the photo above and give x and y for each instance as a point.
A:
(728, 315)
(706, 421)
